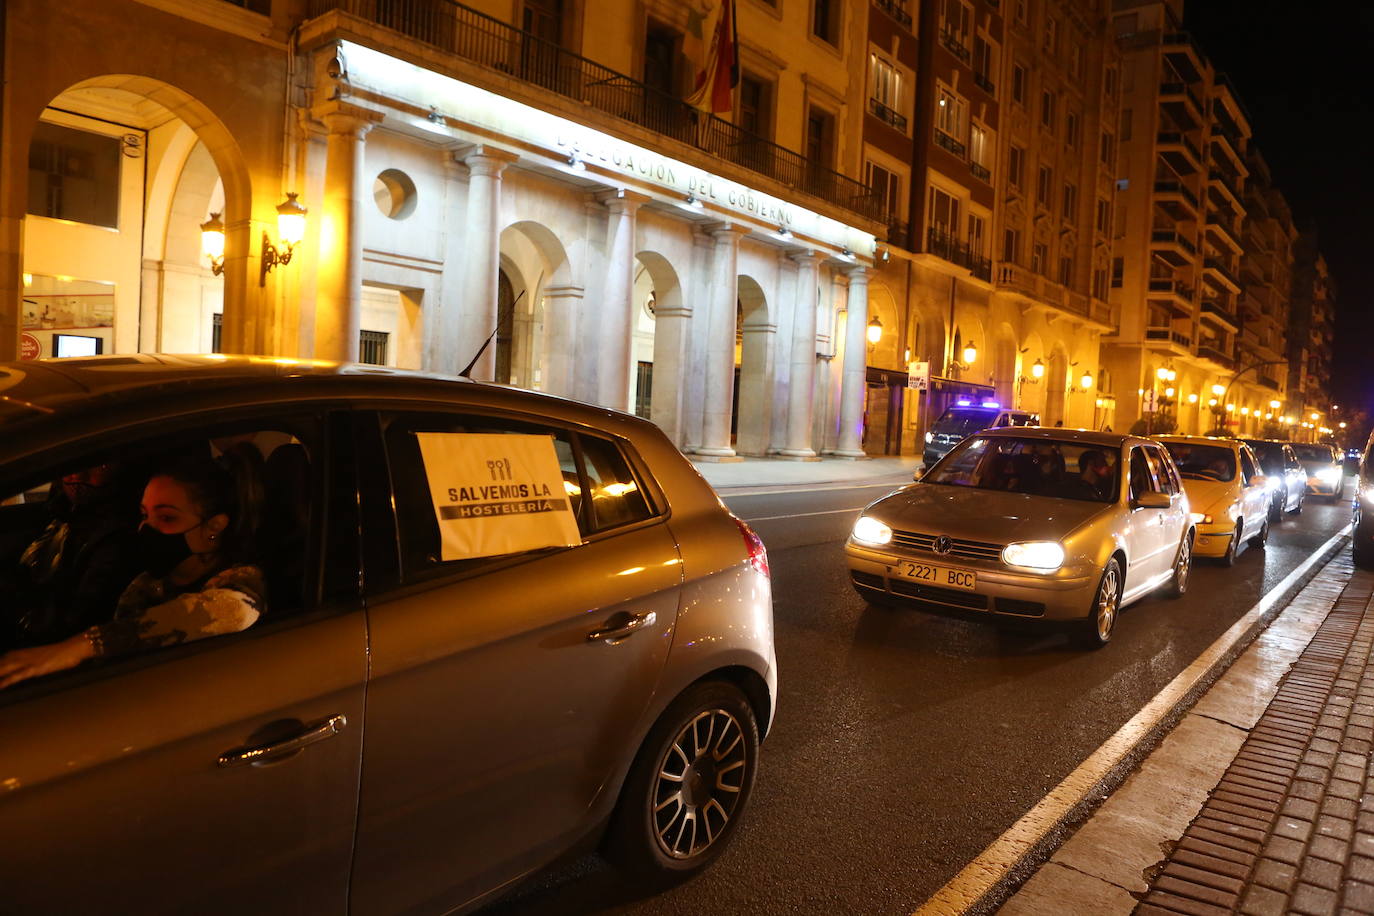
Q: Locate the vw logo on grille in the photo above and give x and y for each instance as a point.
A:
(942, 545)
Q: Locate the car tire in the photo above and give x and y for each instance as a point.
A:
(704, 749)
(1276, 507)
(1297, 510)
(1106, 607)
(1233, 548)
(1259, 540)
(1177, 586)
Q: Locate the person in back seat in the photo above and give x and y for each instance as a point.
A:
(197, 544)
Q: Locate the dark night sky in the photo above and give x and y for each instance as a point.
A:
(1305, 73)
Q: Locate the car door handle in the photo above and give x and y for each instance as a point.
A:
(249, 755)
(622, 625)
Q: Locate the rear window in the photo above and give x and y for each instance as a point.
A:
(1270, 456)
(1203, 462)
(1313, 453)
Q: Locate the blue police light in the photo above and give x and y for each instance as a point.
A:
(991, 404)
(963, 403)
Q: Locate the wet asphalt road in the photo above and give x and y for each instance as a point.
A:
(905, 742)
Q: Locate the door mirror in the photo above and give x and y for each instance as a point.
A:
(1153, 500)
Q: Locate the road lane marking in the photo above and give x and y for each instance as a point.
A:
(774, 518)
(779, 489)
(995, 862)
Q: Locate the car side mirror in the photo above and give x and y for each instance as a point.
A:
(1153, 500)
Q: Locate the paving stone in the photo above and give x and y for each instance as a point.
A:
(1307, 771)
(1224, 839)
(1204, 899)
(1336, 827)
(1361, 868)
(1319, 758)
(1300, 808)
(1313, 901)
(1329, 848)
(1261, 806)
(1365, 821)
(1363, 844)
(1302, 788)
(1346, 771)
(1209, 863)
(1293, 828)
(1272, 873)
(1261, 901)
(1321, 873)
(1343, 808)
(1283, 849)
(1197, 846)
(1236, 830)
(1343, 788)
(1357, 896)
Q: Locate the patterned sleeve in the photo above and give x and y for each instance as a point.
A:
(231, 601)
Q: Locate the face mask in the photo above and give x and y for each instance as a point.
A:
(160, 553)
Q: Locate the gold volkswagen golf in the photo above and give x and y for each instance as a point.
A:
(1030, 523)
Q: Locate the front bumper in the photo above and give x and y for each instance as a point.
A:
(1213, 541)
(1065, 594)
(1318, 487)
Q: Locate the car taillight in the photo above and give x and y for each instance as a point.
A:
(758, 556)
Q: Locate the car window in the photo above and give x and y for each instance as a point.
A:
(1202, 461)
(1142, 478)
(92, 538)
(1030, 466)
(962, 421)
(590, 484)
(1162, 470)
(1247, 465)
(1290, 459)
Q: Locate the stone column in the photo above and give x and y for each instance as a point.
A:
(854, 383)
(562, 319)
(477, 315)
(801, 387)
(339, 300)
(720, 344)
(617, 326)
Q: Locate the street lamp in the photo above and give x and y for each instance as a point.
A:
(875, 330)
(1038, 369)
(970, 354)
(1218, 390)
(290, 231)
(212, 242)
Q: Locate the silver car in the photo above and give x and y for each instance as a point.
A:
(1030, 523)
(498, 625)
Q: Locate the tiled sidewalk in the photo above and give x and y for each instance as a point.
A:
(1290, 827)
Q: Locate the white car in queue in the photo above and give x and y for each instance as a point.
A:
(1229, 494)
(1030, 523)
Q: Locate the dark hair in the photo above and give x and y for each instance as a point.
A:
(1090, 457)
(231, 485)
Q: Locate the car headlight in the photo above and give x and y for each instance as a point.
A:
(930, 437)
(1329, 476)
(1034, 554)
(871, 531)
(1200, 518)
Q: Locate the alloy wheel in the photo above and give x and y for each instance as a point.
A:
(1104, 611)
(1183, 565)
(699, 783)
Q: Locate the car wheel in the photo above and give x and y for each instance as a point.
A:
(1106, 606)
(1276, 508)
(1297, 510)
(688, 786)
(1229, 557)
(1177, 585)
(1262, 538)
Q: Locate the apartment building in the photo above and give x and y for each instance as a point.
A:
(998, 255)
(1179, 227)
(1311, 340)
(520, 171)
(1266, 280)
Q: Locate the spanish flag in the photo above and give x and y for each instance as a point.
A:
(711, 46)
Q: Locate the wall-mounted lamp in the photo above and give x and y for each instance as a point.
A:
(1218, 390)
(1037, 372)
(1211, 402)
(1165, 374)
(1192, 399)
(970, 354)
(1274, 405)
(1085, 381)
(1170, 392)
(290, 231)
(1245, 411)
(212, 242)
(1230, 408)
(1315, 415)
(884, 255)
(875, 330)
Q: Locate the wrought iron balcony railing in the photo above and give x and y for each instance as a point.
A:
(467, 33)
(984, 82)
(887, 115)
(950, 39)
(894, 9)
(945, 141)
(980, 171)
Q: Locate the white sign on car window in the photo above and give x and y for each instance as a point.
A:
(496, 494)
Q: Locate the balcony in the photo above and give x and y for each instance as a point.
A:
(899, 235)
(1213, 309)
(1212, 354)
(1220, 271)
(896, 10)
(1164, 338)
(945, 245)
(455, 29)
(1222, 226)
(952, 42)
(982, 81)
(1228, 184)
(946, 142)
(1172, 294)
(887, 115)
(1180, 152)
(1268, 381)
(1169, 188)
(1173, 246)
(1181, 104)
(1178, 48)
(981, 172)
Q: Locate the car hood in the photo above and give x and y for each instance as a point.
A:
(991, 516)
(1206, 495)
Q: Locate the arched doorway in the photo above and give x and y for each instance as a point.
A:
(538, 312)
(885, 375)
(122, 172)
(755, 334)
(661, 340)
(1056, 388)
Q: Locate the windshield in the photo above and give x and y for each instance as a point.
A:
(961, 421)
(1313, 454)
(1037, 467)
(1203, 462)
